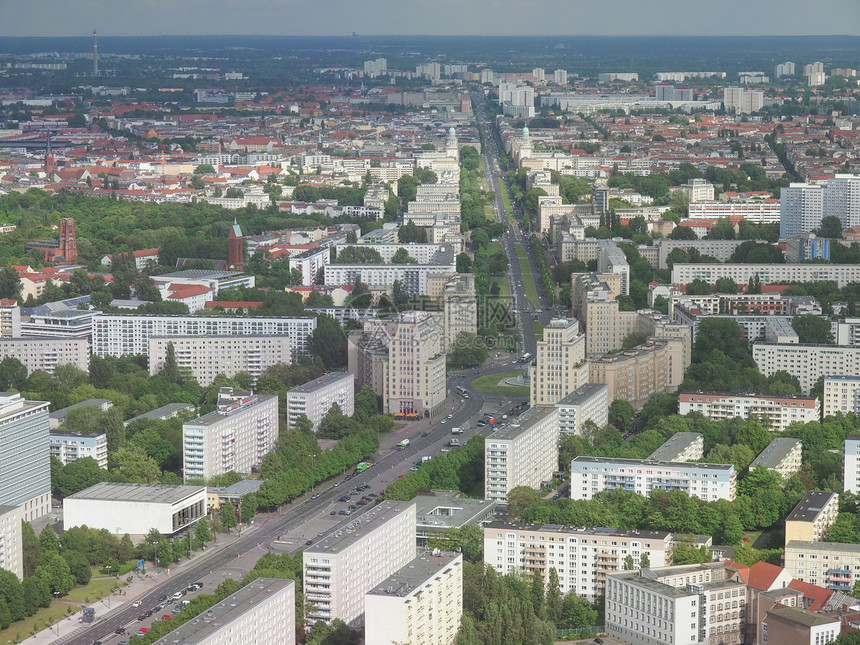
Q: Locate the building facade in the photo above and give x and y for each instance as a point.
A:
(841, 395)
(560, 367)
(783, 454)
(807, 362)
(657, 365)
(71, 446)
(851, 471)
(11, 546)
(828, 564)
(235, 437)
(812, 517)
(314, 398)
(681, 446)
(841, 274)
(774, 412)
(801, 209)
(25, 461)
(589, 402)
(46, 353)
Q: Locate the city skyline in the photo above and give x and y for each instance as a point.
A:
(379, 17)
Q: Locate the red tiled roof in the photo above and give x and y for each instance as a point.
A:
(762, 575)
(818, 596)
(181, 291)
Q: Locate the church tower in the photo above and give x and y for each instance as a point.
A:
(235, 248)
(49, 160)
(68, 240)
(452, 148)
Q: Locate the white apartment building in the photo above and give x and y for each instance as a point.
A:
(263, 612)
(314, 398)
(62, 323)
(309, 262)
(775, 412)
(807, 362)
(611, 259)
(742, 101)
(681, 446)
(592, 475)
(205, 357)
(456, 293)
(129, 334)
(841, 395)
(758, 212)
(720, 249)
(25, 461)
(71, 446)
(801, 209)
(783, 454)
(848, 332)
(589, 402)
(135, 508)
(560, 367)
(828, 564)
(559, 76)
(10, 318)
(698, 190)
(842, 199)
(851, 472)
(11, 546)
(46, 353)
(421, 253)
(235, 437)
(524, 453)
(413, 277)
(841, 274)
(581, 556)
(812, 517)
(420, 604)
(339, 569)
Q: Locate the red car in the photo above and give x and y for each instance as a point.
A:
(167, 617)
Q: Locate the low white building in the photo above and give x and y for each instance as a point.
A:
(775, 412)
(419, 604)
(587, 402)
(70, 446)
(135, 508)
(314, 398)
(262, 612)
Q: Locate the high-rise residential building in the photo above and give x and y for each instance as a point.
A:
(851, 472)
(828, 564)
(808, 362)
(69, 446)
(606, 326)
(801, 209)
(842, 199)
(611, 259)
(523, 453)
(681, 446)
(42, 353)
(560, 367)
(742, 101)
(342, 567)
(775, 412)
(539, 74)
(559, 76)
(592, 475)
(841, 274)
(129, 334)
(455, 292)
(420, 604)
(205, 357)
(812, 517)
(589, 402)
(262, 612)
(657, 365)
(376, 67)
(670, 93)
(25, 461)
(698, 190)
(783, 455)
(581, 556)
(235, 436)
(314, 398)
(784, 69)
(10, 318)
(517, 100)
(11, 546)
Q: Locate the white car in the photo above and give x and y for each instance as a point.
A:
(137, 603)
(450, 416)
(444, 421)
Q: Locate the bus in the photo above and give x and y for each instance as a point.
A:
(403, 444)
(462, 392)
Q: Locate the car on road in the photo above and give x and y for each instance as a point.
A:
(309, 542)
(124, 641)
(373, 495)
(344, 511)
(353, 507)
(162, 597)
(599, 641)
(142, 617)
(316, 495)
(178, 595)
(343, 498)
(137, 603)
(199, 585)
(142, 631)
(443, 421)
(119, 630)
(333, 513)
(148, 613)
(424, 434)
(450, 416)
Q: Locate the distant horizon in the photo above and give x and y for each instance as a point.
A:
(428, 35)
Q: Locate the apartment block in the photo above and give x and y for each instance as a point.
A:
(70, 446)
(444, 510)
(807, 362)
(720, 249)
(592, 475)
(314, 398)
(581, 556)
(657, 365)
(420, 604)
(742, 101)
(46, 353)
(589, 402)
(798, 625)
(841, 274)
(828, 564)
(611, 259)
(683, 605)
(455, 293)
(262, 612)
(25, 461)
(851, 471)
(560, 366)
(202, 358)
(10, 318)
(841, 395)
(524, 453)
(758, 212)
(235, 436)
(606, 326)
(342, 567)
(11, 545)
(129, 334)
(774, 412)
(812, 517)
(583, 285)
(842, 199)
(783, 454)
(413, 277)
(698, 190)
(681, 446)
(801, 209)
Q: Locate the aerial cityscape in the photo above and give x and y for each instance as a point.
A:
(483, 323)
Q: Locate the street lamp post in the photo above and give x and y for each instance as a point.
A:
(156, 557)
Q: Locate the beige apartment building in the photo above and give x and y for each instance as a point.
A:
(523, 453)
(812, 517)
(783, 455)
(606, 326)
(340, 569)
(419, 604)
(841, 395)
(635, 374)
(581, 556)
(43, 353)
(455, 292)
(828, 564)
(560, 366)
(11, 545)
(681, 446)
(774, 412)
(584, 284)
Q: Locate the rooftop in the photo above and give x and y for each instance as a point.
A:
(448, 511)
(776, 451)
(148, 493)
(415, 574)
(580, 530)
(811, 506)
(360, 526)
(675, 445)
(62, 413)
(164, 412)
(802, 616)
(199, 274)
(523, 423)
(582, 394)
(835, 547)
(323, 381)
(219, 415)
(634, 462)
(634, 577)
(202, 628)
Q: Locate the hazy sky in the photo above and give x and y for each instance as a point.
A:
(439, 17)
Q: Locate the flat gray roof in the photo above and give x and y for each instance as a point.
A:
(204, 626)
(775, 452)
(164, 412)
(150, 493)
(633, 462)
(239, 488)
(215, 417)
(674, 445)
(810, 506)
(201, 274)
(838, 547)
(414, 574)
(580, 530)
(651, 585)
(359, 527)
(801, 616)
(523, 423)
(323, 381)
(582, 394)
(452, 511)
(62, 413)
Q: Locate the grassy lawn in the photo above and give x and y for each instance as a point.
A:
(506, 200)
(493, 248)
(93, 591)
(538, 330)
(489, 384)
(22, 629)
(502, 281)
(528, 278)
(488, 212)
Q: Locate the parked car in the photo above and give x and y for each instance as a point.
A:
(344, 511)
(119, 630)
(166, 617)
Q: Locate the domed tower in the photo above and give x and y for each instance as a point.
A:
(452, 148)
(526, 148)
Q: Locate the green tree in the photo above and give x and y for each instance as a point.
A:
(683, 233)
(79, 566)
(467, 634)
(202, 531)
(411, 233)
(13, 374)
(812, 329)
(228, 515)
(698, 287)
(632, 340)
(55, 571)
(328, 342)
(726, 285)
(554, 602)
(621, 414)
(519, 499)
(49, 540)
(133, 465)
(205, 169)
(31, 547)
(401, 256)
(79, 475)
(10, 283)
(538, 594)
(464, 263)
(644, 561)
(831, 226)
(628, 563)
